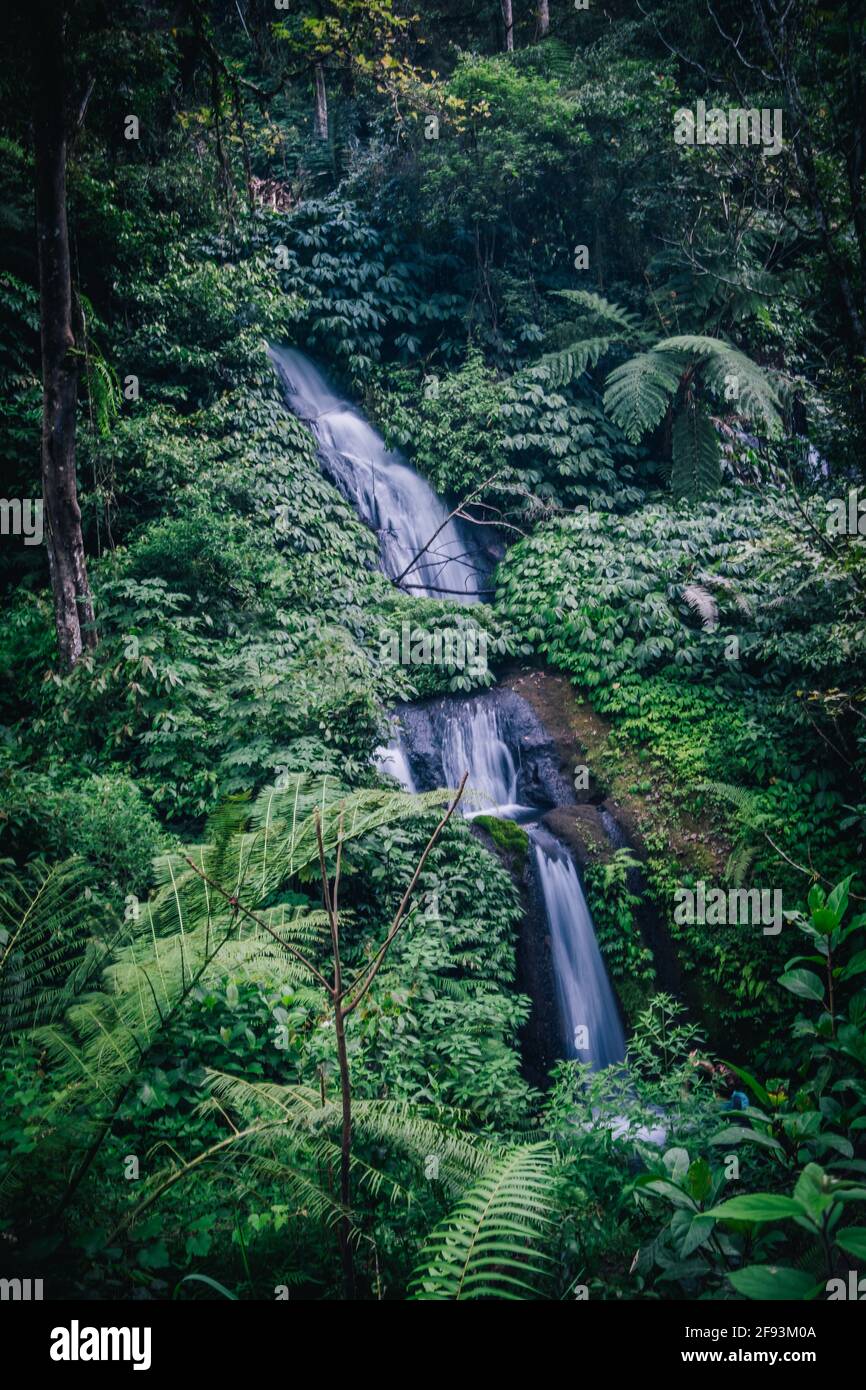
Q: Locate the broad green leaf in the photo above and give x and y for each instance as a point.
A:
(738, 1134)
(677, 1163)
(774, 1282)
(804, 983)
(812, 1192)
(757, 1206)
(853, 1241)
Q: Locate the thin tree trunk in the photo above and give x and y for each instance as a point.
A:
(345, 1152)
(543, 18)
(73, 606)
(508, 21)
(320, 115)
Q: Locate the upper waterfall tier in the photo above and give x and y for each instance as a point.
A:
(404, 511)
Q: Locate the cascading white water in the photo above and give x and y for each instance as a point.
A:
(472, 742)
(390, 497)
(405, 512)
(391, 760)
(586, 1002)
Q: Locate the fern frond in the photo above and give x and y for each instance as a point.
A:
(189, 935)
(492, 1245)
(557, 369)
(739, 863)
(701, 601)
(696, 459)
(744, 801)
(602, 308)
(732, 375)
(401, 1127)
(48, 948)
(728, 586)
(638, 392)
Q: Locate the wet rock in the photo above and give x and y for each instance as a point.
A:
(541, 779)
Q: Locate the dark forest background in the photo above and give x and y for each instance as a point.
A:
(643, 361)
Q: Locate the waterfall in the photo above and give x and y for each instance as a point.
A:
(392, 761)
(388, 495)
(472, 742)
(474, 734)
(587, 1006)
(470, 733)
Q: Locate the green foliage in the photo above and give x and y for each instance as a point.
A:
(604, 596)
(493, 1244)
(643, 391)
(613, 902)
(695, 467)
(242, 661)
(639, 392)
(506, 834)
(103, 819)
(362, 292)
(814, 1113)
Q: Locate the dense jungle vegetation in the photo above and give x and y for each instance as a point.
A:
(240, 1058)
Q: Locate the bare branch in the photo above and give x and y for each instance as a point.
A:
(372, 970)
(238, 906)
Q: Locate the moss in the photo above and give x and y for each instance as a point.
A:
(507, 835)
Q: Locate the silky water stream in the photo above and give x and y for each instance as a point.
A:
(494, 735)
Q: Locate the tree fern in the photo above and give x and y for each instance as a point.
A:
(396, 1125)
(696, 458)
(566, 364)
(190, 933)
(492, 1245)
(731, 375)
(556, 369)
(289, 1135)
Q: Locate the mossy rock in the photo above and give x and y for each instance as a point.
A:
(507, 835)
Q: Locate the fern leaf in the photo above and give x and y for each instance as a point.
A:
(601, 308)
(491, 1246)
(637, 393)
(701, 601)
(696, 459)
(744, 801)
(732, 375)
(557, 369)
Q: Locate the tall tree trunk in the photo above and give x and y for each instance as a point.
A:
(320, 114)
(73, 606)
(508, 21)
(346, 1254)
(543, 18)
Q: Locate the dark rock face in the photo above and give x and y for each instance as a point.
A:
(541, 1040)
(583, 830)
(542, 781)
